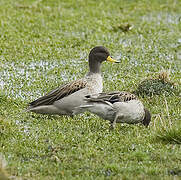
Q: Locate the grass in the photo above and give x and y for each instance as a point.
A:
(45, 43)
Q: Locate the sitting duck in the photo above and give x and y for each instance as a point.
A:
(65, 98)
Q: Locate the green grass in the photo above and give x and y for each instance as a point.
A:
(44, 43)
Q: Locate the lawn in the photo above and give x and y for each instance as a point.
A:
(45, 43)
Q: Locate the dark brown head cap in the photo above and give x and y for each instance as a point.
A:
(99, 53)
(147, 118)
(96, 56)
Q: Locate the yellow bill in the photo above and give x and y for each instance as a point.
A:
(109, 58)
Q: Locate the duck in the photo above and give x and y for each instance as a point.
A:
(117, 107)
(63, 100)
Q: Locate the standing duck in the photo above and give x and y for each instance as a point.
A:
(121, 107)
(65, 98)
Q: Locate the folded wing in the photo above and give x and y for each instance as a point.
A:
(111, 97)
(59, 93)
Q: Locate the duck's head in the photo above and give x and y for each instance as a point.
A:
(96, 56)
(147, 118)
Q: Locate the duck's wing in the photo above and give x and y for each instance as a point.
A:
(59, 93)
(111, 97)
(98, 98)
(122, 96)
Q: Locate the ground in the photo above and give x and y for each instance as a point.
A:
(45, 43)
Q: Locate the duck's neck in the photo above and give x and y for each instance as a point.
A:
(94, 66)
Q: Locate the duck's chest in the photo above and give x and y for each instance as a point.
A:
(94, 83)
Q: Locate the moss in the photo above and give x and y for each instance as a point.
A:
(158, 86)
